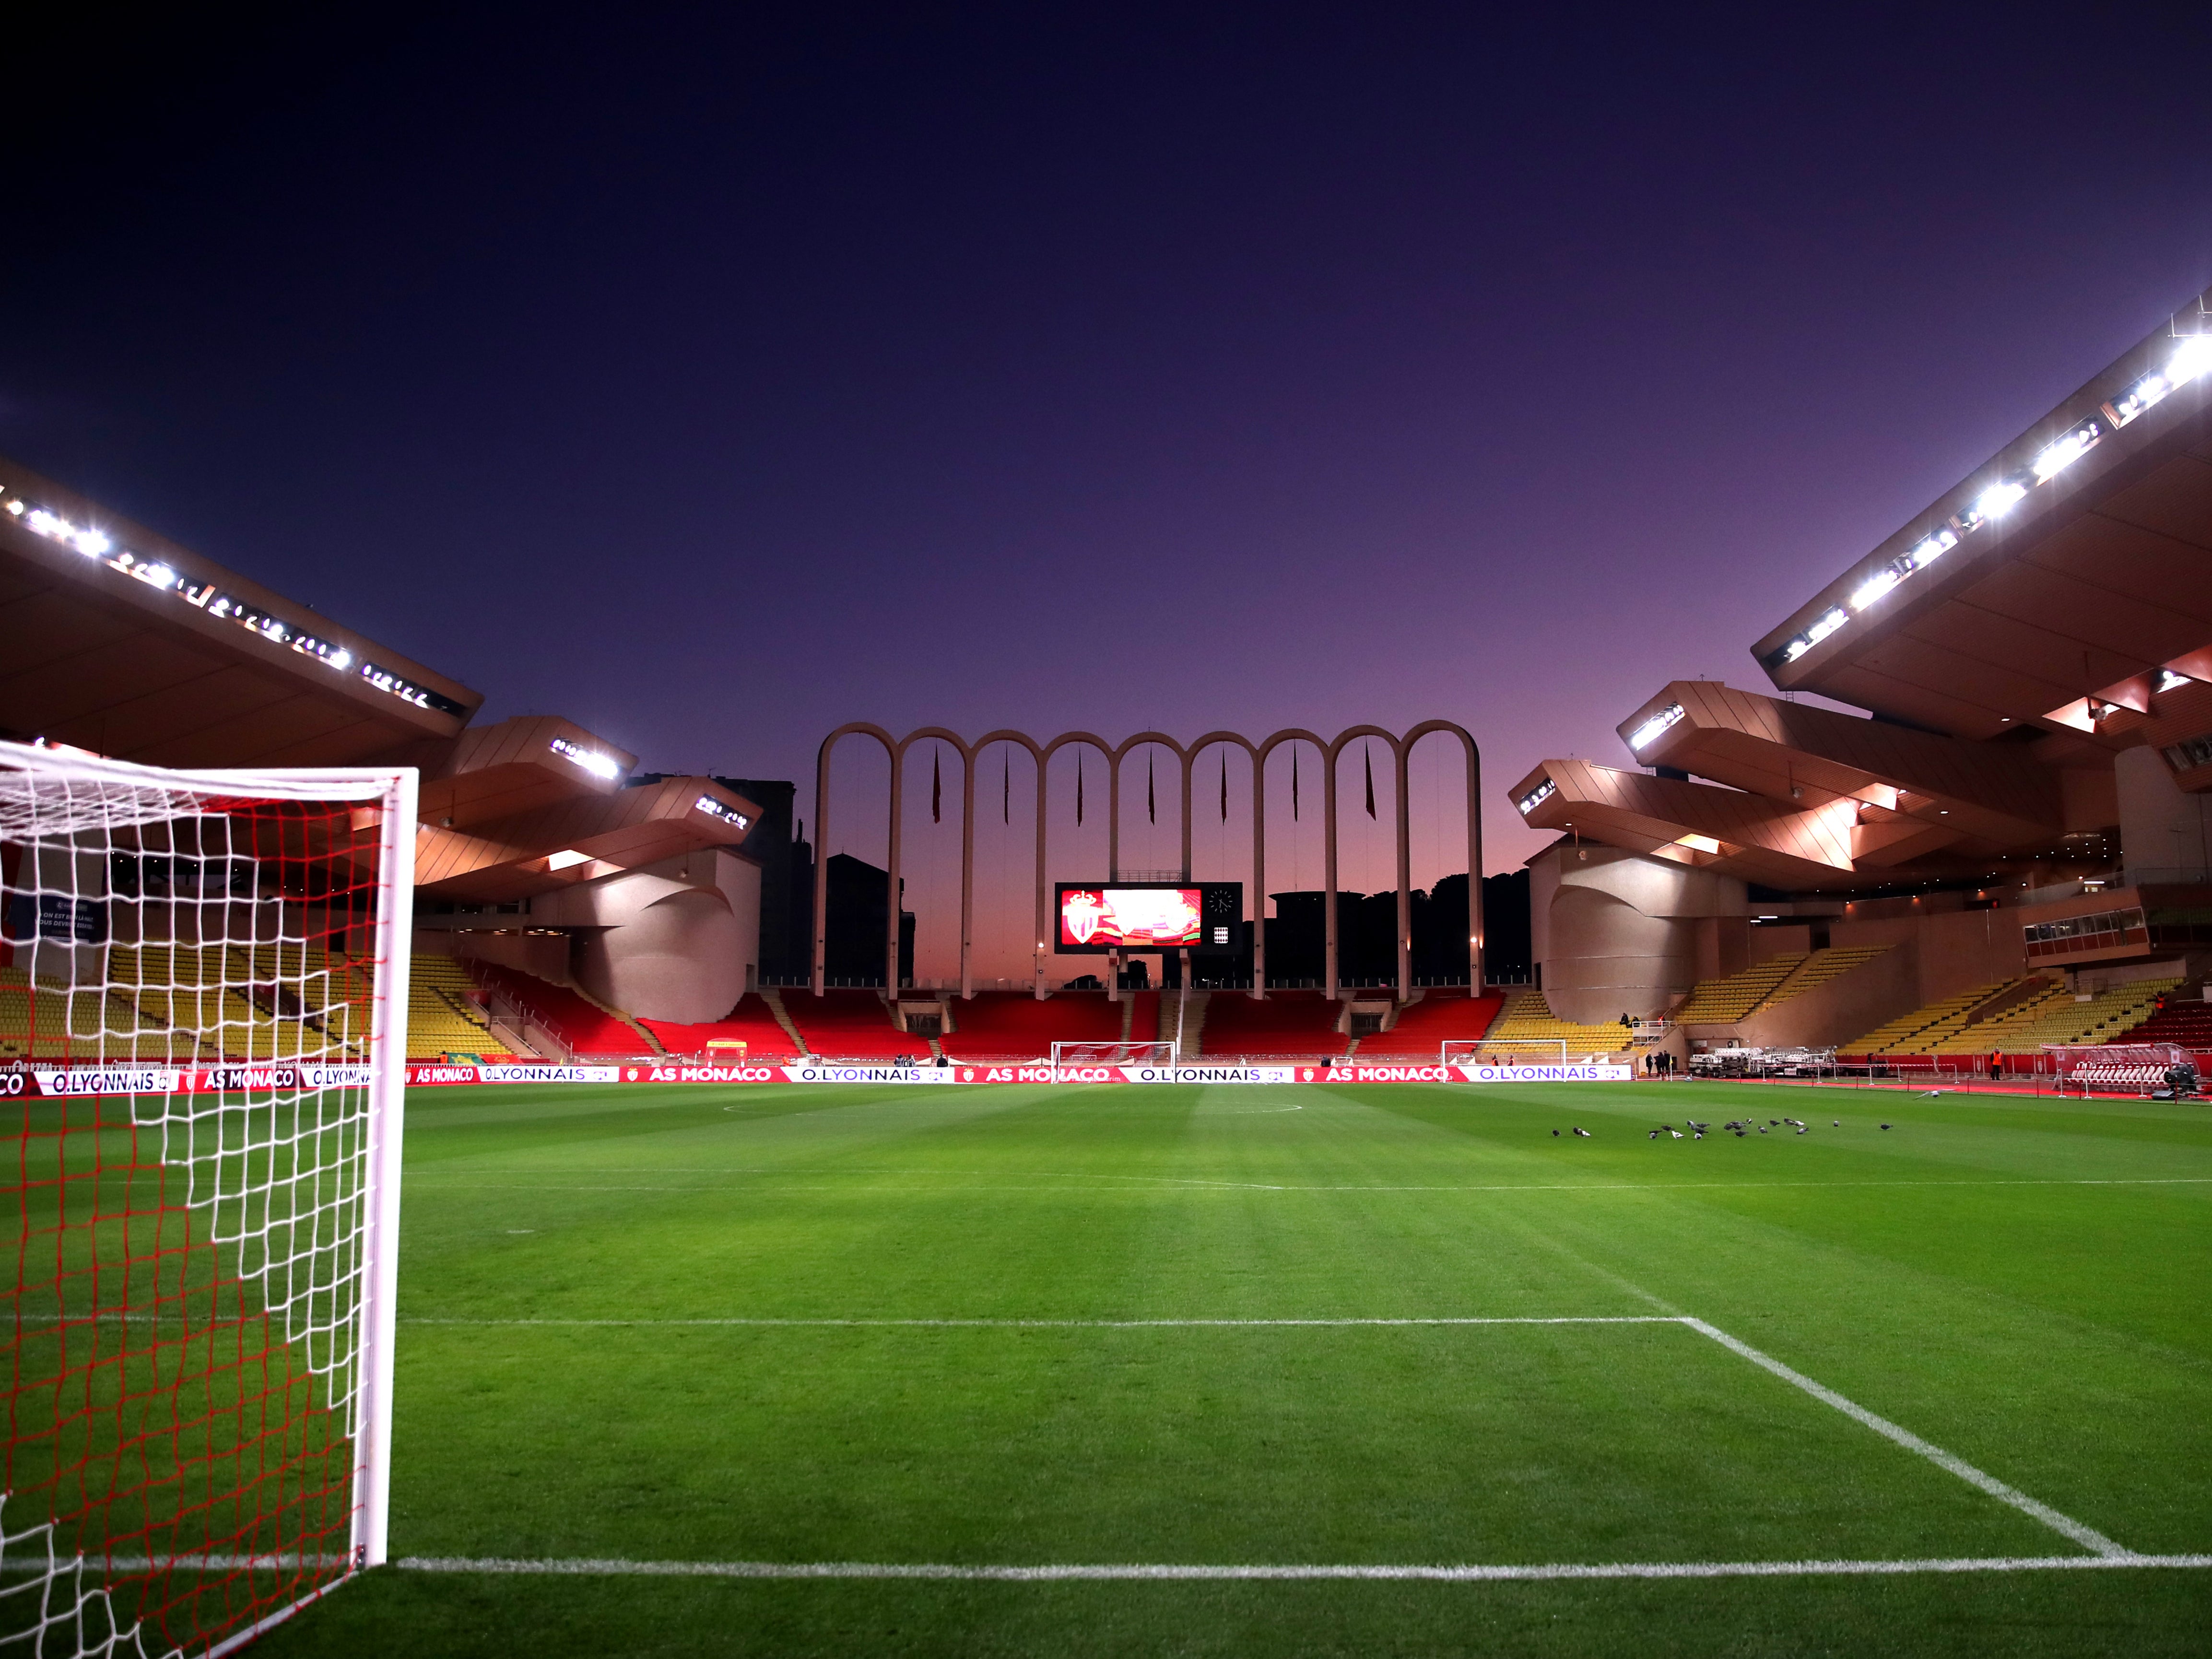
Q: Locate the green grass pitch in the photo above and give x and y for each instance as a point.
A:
(902, 1326)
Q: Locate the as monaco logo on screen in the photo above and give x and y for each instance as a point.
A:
(1139, 918)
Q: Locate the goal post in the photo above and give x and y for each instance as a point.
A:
(1077, 1057)
(1505, 1051)
(203, 1046)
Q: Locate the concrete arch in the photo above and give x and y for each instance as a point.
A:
(1185, 756)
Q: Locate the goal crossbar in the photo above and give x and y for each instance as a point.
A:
(1071, 1058)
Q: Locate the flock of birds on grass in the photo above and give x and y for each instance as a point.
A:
(1739, 1128)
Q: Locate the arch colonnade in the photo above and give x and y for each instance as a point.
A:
(1400, 749)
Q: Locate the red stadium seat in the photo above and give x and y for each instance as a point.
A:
(1015, 1025)
(587, 1029)
(1423, 1027)
(848, 1024)
(751, 1023)
(1289, 1024)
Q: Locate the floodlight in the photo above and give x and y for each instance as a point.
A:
(1998, 498)
(1875, 585)
(1651, 728)
(2065, 451)
(2193, 359)
(598, 765)
(715, 809)
(1934, 547)
(1530, 802)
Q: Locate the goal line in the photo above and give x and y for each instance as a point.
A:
(1458, 1573)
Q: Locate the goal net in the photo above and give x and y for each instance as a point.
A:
(1508, 1051)
(1078, 1057)
(203, 1050)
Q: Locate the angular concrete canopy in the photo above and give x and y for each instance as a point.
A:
(576, 840)
(1994, 796)
(2096, 572)
(1776, 844)
(122, 642)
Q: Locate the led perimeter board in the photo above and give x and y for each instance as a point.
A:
(1094, 917)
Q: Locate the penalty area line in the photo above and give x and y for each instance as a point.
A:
(2088, 1537)
(1176, 1571)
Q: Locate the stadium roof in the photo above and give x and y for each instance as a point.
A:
(122, 643)
(2057, 583)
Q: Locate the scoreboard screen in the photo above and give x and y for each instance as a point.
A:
(1096, 917)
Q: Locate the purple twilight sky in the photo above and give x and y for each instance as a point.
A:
(715, 378)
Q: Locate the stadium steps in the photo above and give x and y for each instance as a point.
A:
(774, 1000)
(1191, 1040)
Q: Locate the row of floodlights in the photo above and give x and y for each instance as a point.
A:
(207, 597)
(2191, 359)
(606, 766)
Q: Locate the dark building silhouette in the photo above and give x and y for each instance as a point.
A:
(787, 866)
(859, 905)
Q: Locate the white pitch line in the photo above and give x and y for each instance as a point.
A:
(1173, 1571)
(434, 1185)
(1063, 1324)
(2089, 1537)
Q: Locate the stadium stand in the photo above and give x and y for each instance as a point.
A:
(1931, 1023)
(1527, 1018)
(586, 1030)
(1014, 1025)
(1821, 967)
(236, 1008)
(1423, 1027)
(848, 1024)
(2116, 1009)
(44, 1019)
(751, 1023)
(1289, 1024)
(2188, 1023)
(2011, 1031)
(442, 1018)
(1726, 1000)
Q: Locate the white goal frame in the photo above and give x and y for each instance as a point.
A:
(1509, 1051)
(67, 816)
(1084, 1056)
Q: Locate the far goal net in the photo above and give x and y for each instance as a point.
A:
(1509, 1051)
(1071, 1060)
(203, 1042)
